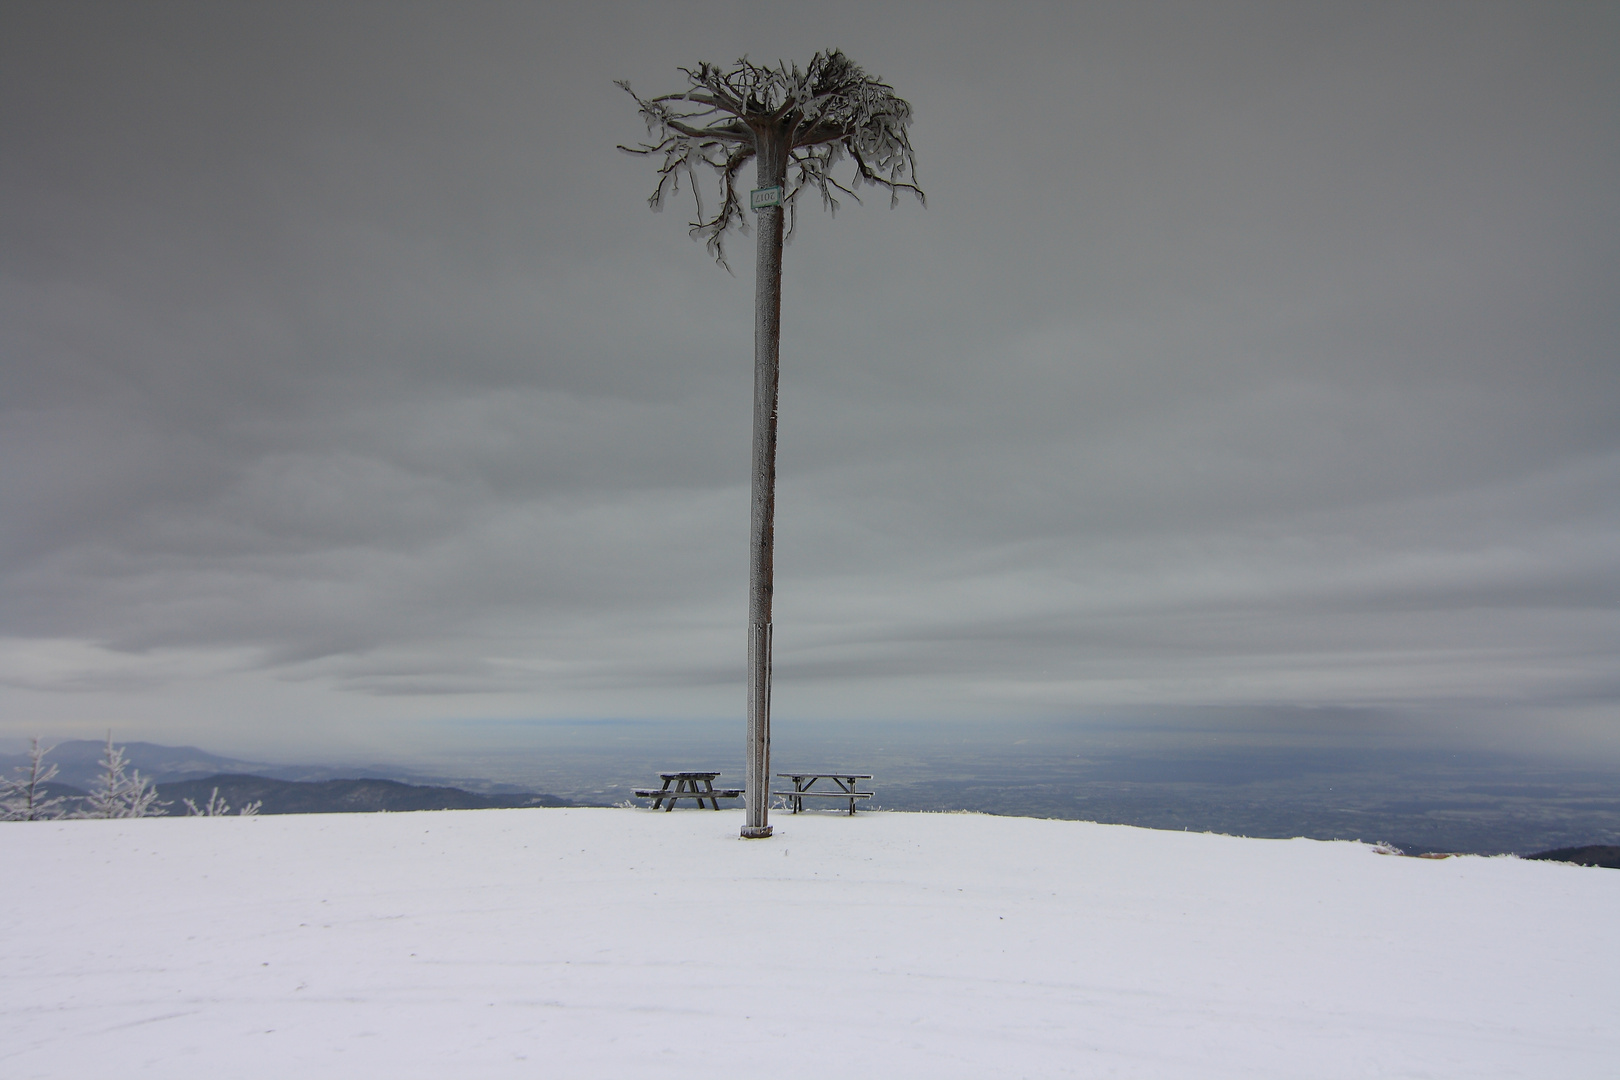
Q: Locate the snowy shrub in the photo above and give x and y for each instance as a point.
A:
(23, 798)
(218, 807)
(119, 793)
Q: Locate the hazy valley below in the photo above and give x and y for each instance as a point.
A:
(1420, 800)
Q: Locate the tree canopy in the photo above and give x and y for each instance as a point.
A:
(812, 119)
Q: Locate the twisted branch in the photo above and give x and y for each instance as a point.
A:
(828, 111)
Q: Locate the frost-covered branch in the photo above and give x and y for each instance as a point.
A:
(121, 792)
(218, 807)
(820, 115)
(23, 797)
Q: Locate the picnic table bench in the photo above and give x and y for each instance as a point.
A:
(804, 788)
(687, 786)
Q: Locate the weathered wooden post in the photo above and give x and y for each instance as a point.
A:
(798, 125)
(767, 202)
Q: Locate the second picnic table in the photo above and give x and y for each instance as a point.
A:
(804, 788)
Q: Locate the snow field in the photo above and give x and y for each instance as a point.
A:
(575, 943)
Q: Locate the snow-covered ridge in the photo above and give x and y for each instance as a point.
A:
(598, 942)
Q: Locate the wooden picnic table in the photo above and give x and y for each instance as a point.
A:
(687, 787)
(804, 787)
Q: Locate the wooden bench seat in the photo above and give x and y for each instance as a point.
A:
(796, 798)
(825, 794)
(688, 785)
(718, 793)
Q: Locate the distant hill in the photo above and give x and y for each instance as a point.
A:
(186, 772)
(357, 796)
(339, 796)
(1590, 855)
(78, 763)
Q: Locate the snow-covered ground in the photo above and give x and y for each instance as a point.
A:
(626, 943)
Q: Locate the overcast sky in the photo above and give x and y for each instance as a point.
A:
(1246, 357)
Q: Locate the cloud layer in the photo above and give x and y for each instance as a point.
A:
(1245, 355)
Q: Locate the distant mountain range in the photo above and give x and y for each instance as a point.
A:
(186, 772)
(338, 796)
(79, 763)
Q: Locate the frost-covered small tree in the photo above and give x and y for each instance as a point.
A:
(797, 125)
(121, 792)
(23, 797)
(218, 807)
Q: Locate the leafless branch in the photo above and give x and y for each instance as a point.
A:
(25, 798)
(822, 114)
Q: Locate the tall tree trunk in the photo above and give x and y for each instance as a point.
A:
(772, 158)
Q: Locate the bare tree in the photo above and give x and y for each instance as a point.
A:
(24, 798)
(797, 125)
(121, 792)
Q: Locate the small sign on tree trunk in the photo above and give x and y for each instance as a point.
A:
(761, 197)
